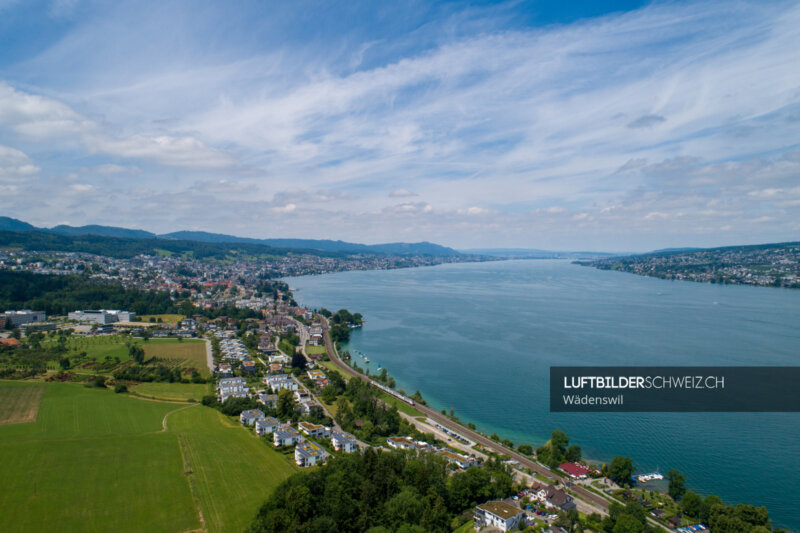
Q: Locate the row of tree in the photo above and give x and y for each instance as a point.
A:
(380, 492)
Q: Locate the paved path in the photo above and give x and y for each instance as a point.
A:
(210, 356)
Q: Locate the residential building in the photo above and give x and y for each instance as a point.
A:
(232, 387)
(266, 425)
(462, 461)
(401, 443)
(249, 417)
(268, 400)
(309, 454)
(285, 435)
(558, 498)
(498, 514)
(344, 442)
(314, 430)
(279, 382)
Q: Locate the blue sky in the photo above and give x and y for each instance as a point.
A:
(560, 125)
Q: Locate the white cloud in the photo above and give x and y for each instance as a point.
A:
(15, 165)
(401, 193)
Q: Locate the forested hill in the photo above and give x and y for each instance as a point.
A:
(775, 265)
(58, 295)
(123, 248)
(299, 245)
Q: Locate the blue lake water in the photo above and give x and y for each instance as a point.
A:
(480, 338)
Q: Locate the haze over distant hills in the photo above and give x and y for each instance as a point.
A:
(533, 253)
(325, 245)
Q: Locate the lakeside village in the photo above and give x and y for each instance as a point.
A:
(268, 361)
(275, 375)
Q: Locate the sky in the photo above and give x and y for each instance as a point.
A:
(619, 126)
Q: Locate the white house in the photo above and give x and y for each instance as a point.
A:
(401, 443)
(499, 515)
(279, 382)
(463, 461)
(314, 430)
(344, 442)
(267, 425)
(285, 435)
(269, 400)
(249, 417)
(309, 453)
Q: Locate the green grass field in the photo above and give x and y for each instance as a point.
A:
(165, 318)
(19, 402)
(189, 353)
(98, 461)
(174, 391)
(329, 365)
(233, 470)
(311, 350)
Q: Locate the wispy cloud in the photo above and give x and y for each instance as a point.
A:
(589, 134)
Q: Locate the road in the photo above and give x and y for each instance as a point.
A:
(210, 356)
(589, 497)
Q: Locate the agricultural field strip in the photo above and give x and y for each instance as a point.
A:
(19, 405)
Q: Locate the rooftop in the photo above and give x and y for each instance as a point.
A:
(501, 509)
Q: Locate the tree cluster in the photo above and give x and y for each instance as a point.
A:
(557, 450)
(379, 492)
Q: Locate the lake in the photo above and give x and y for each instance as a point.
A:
(480, 338)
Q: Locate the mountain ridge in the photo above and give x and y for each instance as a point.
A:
(324, 245)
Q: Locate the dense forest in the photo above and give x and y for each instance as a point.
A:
(380, 492)
(123, 248)
(58, 295)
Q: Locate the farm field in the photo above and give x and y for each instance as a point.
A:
(98, 461)
(234, 471)
(19, 403)
(187, 354)
(165, 318)
(174, 391)
(105, 350)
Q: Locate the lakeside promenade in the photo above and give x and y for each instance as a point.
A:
(587, 496)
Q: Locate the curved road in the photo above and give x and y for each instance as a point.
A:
(585, 495)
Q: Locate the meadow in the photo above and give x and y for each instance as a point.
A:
(165, 318)
(312, 350)
(105, 352)
(174, 391)
(19, 403)
(98, 461)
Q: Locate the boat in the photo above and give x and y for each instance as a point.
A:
(366, 360)
(644, 478)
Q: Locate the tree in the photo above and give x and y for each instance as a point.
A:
(137, 353)
(328, 394)
(64, 363)
(559, 441)
(620, 470)
(298, 361)
(573, 453)
(525, 449)
(677, 484)
(692, 504)
(627, 524)
(286, 404)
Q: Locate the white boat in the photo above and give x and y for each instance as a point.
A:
(644, 478)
